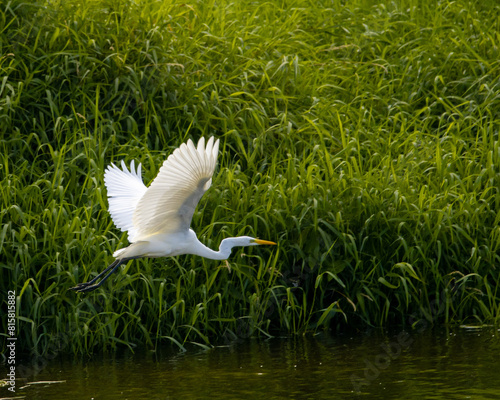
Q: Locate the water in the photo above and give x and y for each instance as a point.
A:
(460, 364)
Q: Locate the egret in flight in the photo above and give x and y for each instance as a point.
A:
(157, 218)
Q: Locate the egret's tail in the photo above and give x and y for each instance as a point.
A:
(135, 250)
(117, 253)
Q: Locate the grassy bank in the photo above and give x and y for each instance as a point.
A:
(362, 138)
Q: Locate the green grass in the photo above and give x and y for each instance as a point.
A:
(362, 137)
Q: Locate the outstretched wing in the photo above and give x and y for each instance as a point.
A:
(125, 189)
(169, 203)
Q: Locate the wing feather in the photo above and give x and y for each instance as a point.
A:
(125, 189)
(168, 204)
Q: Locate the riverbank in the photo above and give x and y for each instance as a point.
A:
(363, 139)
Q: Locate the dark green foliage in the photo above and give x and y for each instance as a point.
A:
(362, 137)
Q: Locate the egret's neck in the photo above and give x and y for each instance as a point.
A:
(206, 252)
(224, 249)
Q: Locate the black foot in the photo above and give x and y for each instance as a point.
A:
(85, 287)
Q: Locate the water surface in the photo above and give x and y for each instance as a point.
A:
(458, 364)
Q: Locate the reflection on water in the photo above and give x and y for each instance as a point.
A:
(459, 364)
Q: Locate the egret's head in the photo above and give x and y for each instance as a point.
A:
(249, 241)
(228, 243)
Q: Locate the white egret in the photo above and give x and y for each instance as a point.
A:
(158, 218)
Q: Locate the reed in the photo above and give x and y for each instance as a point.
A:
(362, 137)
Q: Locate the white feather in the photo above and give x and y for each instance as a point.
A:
(167, 206)
(125, 189)
(169, 203)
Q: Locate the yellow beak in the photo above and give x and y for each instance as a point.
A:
(258, 241)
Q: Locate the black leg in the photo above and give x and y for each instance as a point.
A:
(82, 285)
(91, 285)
